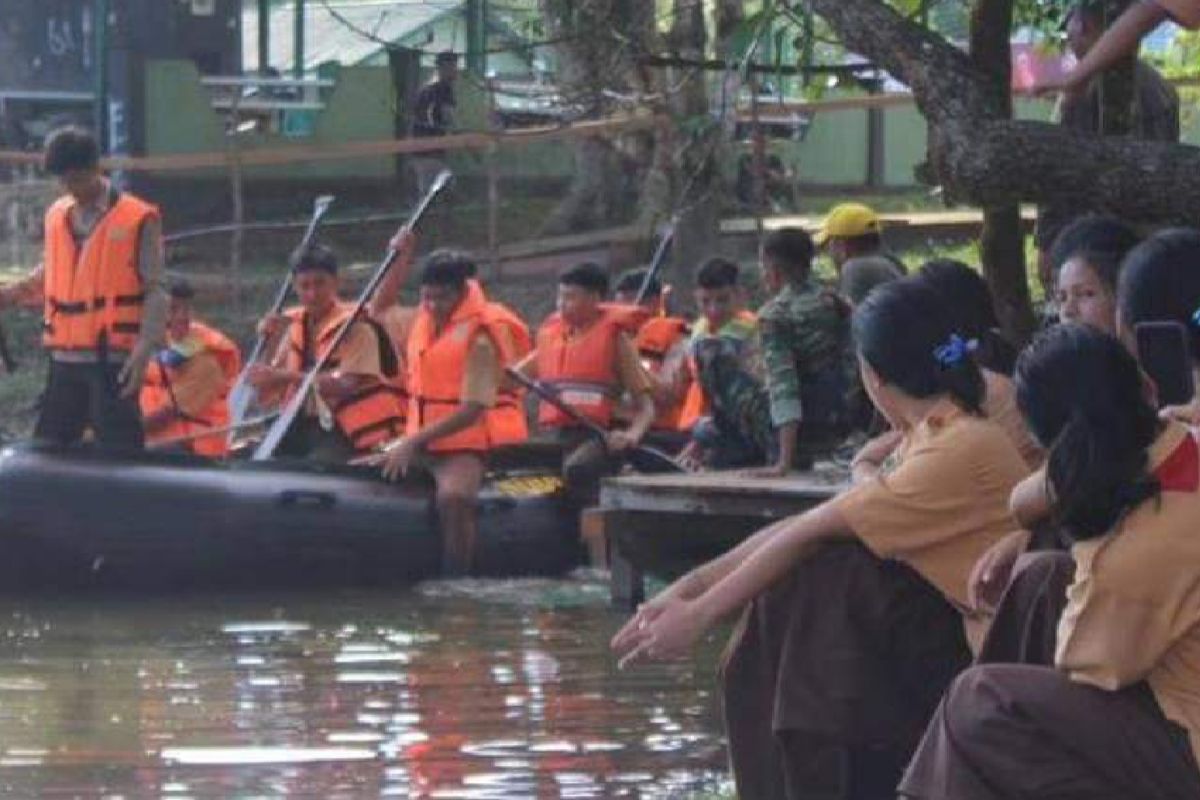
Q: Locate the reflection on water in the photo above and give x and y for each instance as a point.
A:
(465, 689)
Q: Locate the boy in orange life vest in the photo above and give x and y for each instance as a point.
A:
(586, 352)
(105, 309)
(355, 407)
(188, 383)
(662, 344)
(456, 353)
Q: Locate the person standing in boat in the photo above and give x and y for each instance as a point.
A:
(457, 350)
(355, 407)
(662, 345)
(187, 385)
(586, 353)
(105, 307)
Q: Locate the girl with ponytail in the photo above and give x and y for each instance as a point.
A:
(1114, 711)
(854, 609)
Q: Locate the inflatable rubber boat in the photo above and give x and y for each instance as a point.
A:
(78, 519)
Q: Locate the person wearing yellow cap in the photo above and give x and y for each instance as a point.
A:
(852, 235)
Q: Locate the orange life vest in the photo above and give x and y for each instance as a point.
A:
(695, 404)
(437, 364)
(581, 366)
(94, 290)
(511, 400)
(654, 341)
(375, 413)
(157, 393)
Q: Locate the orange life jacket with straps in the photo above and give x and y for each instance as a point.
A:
(372, 415)
(93, 290)
(158, 393)
(581, 366)
(437, 362)
(654, 341)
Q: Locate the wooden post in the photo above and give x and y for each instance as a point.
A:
(493, 192)
(264, 36)
(238, 203)
(758, 149)
(298, 40)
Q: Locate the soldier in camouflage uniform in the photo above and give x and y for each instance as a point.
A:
(797, 411)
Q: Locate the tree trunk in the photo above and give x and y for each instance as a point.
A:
(1002, 240)
(987, 160)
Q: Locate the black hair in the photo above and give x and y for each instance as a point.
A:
(315, 258)
(1160, 282)
(900, 330)
(632, 280)
(1082, 395)
(864, 243)
(791, 250)
(1100, 240)
(586, 275)
(181, 289)
(70, 149)
(717, 273)
(446, 57)
(447, 268)
(969, 301)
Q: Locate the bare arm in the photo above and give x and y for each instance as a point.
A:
(1119, 41)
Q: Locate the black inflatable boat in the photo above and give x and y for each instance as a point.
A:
(164, 522)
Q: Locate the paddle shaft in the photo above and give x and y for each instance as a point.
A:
(546, 393)
(287, 416)
(241, 395)
(217, 431)
(656, 264)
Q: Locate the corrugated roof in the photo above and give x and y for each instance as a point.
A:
(348, 31)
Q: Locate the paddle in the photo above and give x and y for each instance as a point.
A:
(652, 455)
(242, 395)
(218, 431)
(287, 416)
(656, 264)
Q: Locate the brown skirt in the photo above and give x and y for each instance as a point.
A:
(833, 674)
(1015, 728)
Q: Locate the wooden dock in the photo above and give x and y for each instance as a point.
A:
(666, 524)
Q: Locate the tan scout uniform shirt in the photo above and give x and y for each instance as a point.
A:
(1133, 612)
(943, 503)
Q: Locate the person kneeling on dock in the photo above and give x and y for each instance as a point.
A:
(457, 349)
(356, 407)
(585, 353)
(187, 384)
(662, 344)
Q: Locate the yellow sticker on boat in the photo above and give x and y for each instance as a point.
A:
(529, 485)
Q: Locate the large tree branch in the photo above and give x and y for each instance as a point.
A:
(984, 159)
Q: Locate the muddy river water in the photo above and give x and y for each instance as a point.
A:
(470, 689)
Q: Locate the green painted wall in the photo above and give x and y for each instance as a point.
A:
(180, 119)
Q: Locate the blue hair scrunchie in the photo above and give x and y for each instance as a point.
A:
(1196, 318)
(954, 351)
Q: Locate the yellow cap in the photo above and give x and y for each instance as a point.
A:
(848, 221)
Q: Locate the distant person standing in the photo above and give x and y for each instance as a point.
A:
(105, 305)
(852, 235)
(1156, 118)
(433, 116)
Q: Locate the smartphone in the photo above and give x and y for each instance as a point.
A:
(1166, 356)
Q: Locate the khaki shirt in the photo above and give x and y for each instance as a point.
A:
(1133, 611)
(942, 501)
(1000, 406)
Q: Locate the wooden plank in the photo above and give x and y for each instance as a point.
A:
(907, 219)
(721, 493)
